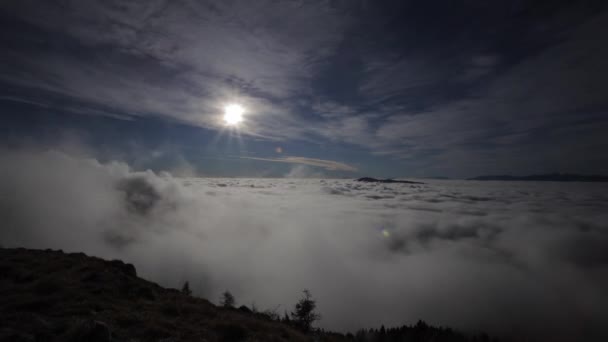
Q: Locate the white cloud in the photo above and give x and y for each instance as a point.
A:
(495, 256)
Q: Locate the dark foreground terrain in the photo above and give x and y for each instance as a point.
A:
(50, 295)
(55, 296)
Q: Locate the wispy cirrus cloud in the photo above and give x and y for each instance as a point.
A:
(329, 72)
(516, 113)
(474, 113)
(182, 60)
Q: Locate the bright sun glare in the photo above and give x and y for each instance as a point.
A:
(233, 114)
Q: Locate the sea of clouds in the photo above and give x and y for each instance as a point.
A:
(514, 258)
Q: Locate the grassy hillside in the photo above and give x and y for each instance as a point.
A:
(55, 296)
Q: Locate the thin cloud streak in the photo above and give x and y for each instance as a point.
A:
(329, 165)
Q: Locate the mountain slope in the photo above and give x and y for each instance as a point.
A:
(55, 296)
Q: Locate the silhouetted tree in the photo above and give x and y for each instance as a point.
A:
(382, 334)
(227, 300)
(186, 289)
(304, 315)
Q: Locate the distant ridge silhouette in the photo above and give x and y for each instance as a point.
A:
(374, 180)
(550, 177)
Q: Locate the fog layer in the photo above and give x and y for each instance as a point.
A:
(516, 258)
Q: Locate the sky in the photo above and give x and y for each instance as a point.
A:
(329, 88)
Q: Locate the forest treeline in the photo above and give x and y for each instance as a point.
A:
(420, 332)
(304, 316)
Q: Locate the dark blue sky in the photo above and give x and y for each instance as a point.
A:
(344, 88)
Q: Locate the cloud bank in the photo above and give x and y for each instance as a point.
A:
(519, 259)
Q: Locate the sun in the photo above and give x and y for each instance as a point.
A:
(233, 114)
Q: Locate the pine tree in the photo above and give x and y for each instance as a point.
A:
(227, 300)
(186, 289)
(304, 315)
